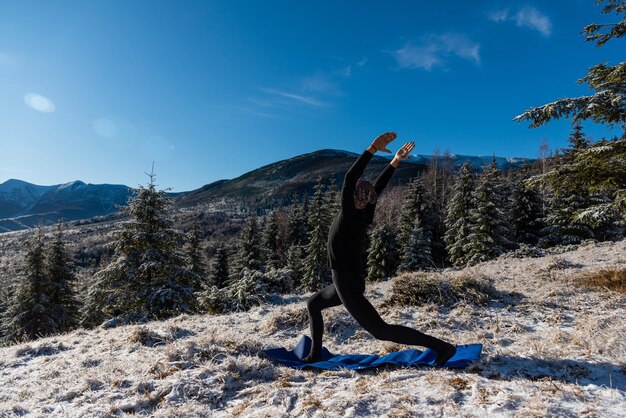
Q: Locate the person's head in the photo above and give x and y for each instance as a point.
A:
(364, 193)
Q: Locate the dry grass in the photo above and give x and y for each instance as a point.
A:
(144, 336)
(413, 289)
(283, 319)
(611, 279)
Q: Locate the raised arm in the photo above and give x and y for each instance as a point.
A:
(383, 178)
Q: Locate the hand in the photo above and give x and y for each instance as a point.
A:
(381, 142)
(403, 153)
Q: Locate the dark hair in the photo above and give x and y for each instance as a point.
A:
(365, 189)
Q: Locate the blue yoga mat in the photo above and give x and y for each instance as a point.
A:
(465, 354)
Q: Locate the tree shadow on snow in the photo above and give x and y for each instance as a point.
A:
(581, 372)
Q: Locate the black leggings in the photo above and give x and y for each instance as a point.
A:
(347, 289)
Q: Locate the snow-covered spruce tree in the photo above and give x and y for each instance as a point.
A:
(295, 256)
(526, 222)
(489, 232)
(193, 252)
(416, 225)
(297, 238)
(316, 269)
(438, 180)
(247, 285)
(297, 221)
(58, 267)
(417, 254)
(28, 314)
(383, 252)
(246, 291)
(561, 226)
(334, 199)
(271, 245)
(577, 139)
(249, 251)
(43, 302)
(458, 218)
(213, 297)
(588, 198)
(148, 277)
(220, 275)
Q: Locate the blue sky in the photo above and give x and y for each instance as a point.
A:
(97, 90)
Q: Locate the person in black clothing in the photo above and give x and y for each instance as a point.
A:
(348, 230)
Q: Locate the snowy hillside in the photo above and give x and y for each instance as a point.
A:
(551, 348)
(24, 205)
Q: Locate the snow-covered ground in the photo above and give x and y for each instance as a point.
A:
(551, 348)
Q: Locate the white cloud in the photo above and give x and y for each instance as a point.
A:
(534, 19)
(304, 94)
(312, 101)
(499, 15)
(435, 50)
(321, 83)
(528, 17)
(39, 103)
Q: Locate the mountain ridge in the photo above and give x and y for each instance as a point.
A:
(24, 205)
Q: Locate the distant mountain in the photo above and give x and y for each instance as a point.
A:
(17, 196)
(277, 182)
(24, 205)
(504, 163)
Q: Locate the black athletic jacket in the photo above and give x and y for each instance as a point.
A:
(348, 229)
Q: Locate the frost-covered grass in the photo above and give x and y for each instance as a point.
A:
(551, 348)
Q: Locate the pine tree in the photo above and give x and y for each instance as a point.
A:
(437, 181)
(562, 228)
(382, 253)
(316, 269)
(148, 276)
(295, 254)
(489, 234)
(416, 229)
(577, 139)
(591, 178)
(194, 257)
(271, 243)
(458, 219)
(221, 275)
(418, 253)
(42, 304)
(298, 228)
(297, 238)
(333, 198)
(249, 253)
(59, 270)
(525, 218)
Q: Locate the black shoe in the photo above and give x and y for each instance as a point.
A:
(312, 358)
(444, 355)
